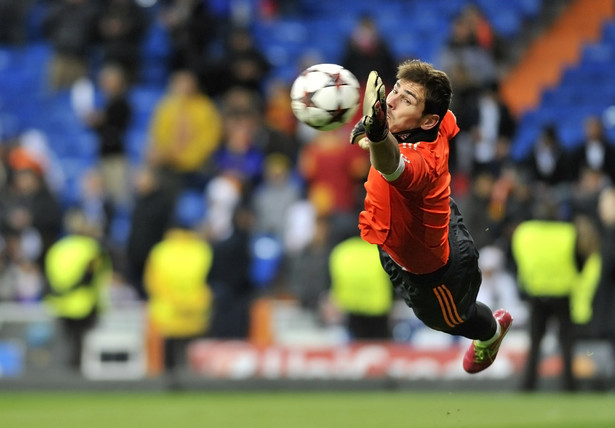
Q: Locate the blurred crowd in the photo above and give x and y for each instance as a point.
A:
(258, 200)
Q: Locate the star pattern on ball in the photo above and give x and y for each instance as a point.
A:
(337, 80)
(307, 98)
(337, 115)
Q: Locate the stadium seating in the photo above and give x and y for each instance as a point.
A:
(413, 28)
(584, 89)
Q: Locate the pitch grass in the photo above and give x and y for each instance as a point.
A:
(305, 409)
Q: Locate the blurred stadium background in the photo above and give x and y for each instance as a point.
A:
(559, 68)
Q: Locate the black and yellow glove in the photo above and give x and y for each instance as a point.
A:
(375, 109)
(357, 132)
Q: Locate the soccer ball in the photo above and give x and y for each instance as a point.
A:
(325, 96)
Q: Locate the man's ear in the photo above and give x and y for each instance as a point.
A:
(429, 121)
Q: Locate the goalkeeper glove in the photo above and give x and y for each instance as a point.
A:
(375, 109)
(357, 132)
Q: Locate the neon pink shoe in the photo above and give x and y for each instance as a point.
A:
(477, 358)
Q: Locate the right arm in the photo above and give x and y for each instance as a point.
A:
(384, 155)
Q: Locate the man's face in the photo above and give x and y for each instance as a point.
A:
(406, 103)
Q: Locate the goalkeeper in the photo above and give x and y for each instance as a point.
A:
(424, 245)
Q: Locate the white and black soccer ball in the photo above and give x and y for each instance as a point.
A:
(325, 96)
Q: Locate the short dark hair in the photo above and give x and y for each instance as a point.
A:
(438, 87)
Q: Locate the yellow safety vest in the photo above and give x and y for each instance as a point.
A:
(75, 293)
(175, 279)
(359, 284)
(545, 255)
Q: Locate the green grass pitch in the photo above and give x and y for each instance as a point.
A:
(305, 409)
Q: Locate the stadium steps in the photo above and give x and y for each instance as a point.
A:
(558, 48)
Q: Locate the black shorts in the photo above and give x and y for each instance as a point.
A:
(444, 299)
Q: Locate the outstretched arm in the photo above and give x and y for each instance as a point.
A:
(384, 155)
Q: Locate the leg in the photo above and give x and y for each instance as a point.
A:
(374, 327)
(566, 341)
(450, 305)
(75, 331)
(172, 349)
(538, 327)
(481, 326)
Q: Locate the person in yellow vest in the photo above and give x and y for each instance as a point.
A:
(558, 268)
(180, 300)
(78, 271)
(361, 288)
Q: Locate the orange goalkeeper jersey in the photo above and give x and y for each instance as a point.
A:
(408, 217)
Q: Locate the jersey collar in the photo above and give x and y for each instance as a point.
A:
(417, 134)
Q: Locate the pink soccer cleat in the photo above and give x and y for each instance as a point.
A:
(478, 357)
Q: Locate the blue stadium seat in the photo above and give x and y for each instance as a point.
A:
(136, 143)
(190, 208)
(524, 141)
(267, 252)
(506, 24)
(608, 32)
(599, 52)
(530, 8)
(145, 97)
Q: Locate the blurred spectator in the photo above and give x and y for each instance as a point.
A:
(307, 260)
(499, 287)
(121, 27)
(240, 153)
(70, 26)
(493, 134)
(463, 49)
(270, 205)
(28, 202)
(13, 18)
(78, 272)
(21, 277)
(602, 324)
(512, 202)
(300, 226)
(366, 50)
(150, 218)
(191, 28)
(243, 64)
(547, 163)
(480, 26)
(185, 130)
(361, 289)
(245, 108)
(470, 68)
(558, 267)
(36, 145)
(334, 172)
(465, 105)
(274, 196)
(585, 193)
(94, 202)
(485, 35)
(589, 263)
(278, 112)
(180, 299)
(223, 195)
(594, 152)
(110, 124)
(228, 227)
(476, 210)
